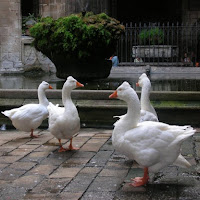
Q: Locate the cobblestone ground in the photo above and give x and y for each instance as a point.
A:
(33, 169)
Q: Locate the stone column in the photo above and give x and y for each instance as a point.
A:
(10, 36)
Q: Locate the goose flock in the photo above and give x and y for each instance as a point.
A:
(138, 134)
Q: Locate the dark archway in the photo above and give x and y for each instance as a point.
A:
(149, 11)
(30, 6)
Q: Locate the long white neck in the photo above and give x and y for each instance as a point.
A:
(66, 95)
(132, 117)
(67, 101)
(133, 111)
(42, 97)
(145, 101)
(129, 121)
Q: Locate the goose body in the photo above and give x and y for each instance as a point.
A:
(64, 122)
(154, 145)
(30, 116)
(148, 112)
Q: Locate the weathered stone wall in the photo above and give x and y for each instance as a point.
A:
(15, 55)
(10, 35)
(59, 8)
(31, 58)
(96, 6)
(189, 16)
(53, 8)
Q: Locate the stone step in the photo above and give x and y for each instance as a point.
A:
(97, 110)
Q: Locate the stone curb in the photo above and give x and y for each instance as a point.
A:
(96, 94)
(97, 110)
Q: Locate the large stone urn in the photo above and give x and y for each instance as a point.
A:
(93, 68)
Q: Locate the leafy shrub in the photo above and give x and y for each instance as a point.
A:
(153, 36)
(28, 21)
(77, 36)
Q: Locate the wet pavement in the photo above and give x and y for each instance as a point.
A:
(33, 169)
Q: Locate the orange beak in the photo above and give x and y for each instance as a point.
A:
(50, 87)
(137, 84)
(79, 84)
(113, 95)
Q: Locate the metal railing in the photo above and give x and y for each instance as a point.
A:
(160, 44)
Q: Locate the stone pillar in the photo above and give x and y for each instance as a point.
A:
(10, 36)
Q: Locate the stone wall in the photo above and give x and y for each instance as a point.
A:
(16, 55)
(10, 36)
(31, 58)
(53, 8)
(96, 6)
(59, 8)
(189, 16)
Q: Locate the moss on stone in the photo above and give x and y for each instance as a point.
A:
(176, 104)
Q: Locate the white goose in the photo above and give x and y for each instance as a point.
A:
(30, 116)
(65, 122)
(148, 112)
(154, 145)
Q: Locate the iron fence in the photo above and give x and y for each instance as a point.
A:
(160, 44)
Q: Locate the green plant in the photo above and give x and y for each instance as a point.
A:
(28, 21)
(153, 36)
(77, 36)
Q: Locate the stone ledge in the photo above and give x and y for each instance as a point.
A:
(97, 110)
(98, 94)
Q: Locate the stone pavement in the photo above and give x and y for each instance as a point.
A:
(33, 169)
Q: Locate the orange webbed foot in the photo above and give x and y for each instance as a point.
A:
(140, 181)
(62, 149)
(34, 136)
(72, 148)
(137, 179)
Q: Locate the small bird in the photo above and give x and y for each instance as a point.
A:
(148, 112)
(153, 145)
(30, 116)
(64, 122)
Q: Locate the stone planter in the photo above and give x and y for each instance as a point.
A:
(94, 68)
(154, 51)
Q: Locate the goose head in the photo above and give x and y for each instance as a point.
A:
(123, 92)
(44, 86)
(143, 81)
(126, 93)
(72, 83)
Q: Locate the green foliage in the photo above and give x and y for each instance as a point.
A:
(77, 36)
(153, 36)
(28, 21)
